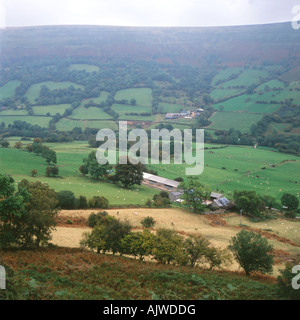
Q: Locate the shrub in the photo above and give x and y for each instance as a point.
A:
(66, 199)
(98, 218)
(148, 222)
(98, 202)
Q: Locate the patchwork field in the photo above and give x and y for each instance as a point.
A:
(143, 96)
(8, 90)
(34, 91)
(237, 120)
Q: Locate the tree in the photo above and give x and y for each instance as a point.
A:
(290, 201)
(139, 244)
(50, 156)
(252, 251)
(34, 172)
(38, 218)
(27, 216)
(248, 201)
(168, 247)
(18, 145)
(93, 168)
(129, 174)
(107, 236)
(66, 199)
(82, 203)
(196, 248)
(284, 281)
(4, 144)
(194, 193)
(53, 171)
(10, 205)
(98, 202)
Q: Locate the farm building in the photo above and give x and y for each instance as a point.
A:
(154, 181)
(176, 115)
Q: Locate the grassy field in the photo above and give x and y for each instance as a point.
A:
(70, 157)
(225, 170)
(34, 120)
(34, 91)
(239, 121)
(90, 113)
(123, 110)
(9, 112)
(8, 90)
(52, 109)
(143, 96)
(68, 124)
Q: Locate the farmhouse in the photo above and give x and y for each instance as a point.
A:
(154, 181)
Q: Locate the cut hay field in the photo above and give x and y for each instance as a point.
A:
(219, 229)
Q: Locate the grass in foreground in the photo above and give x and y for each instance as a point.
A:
(73, 274)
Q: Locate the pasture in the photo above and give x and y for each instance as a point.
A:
(67, 124)
(237, 120)
(143, 96)
(34, 91)
(8, 90)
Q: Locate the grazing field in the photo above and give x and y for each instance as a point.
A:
(124, 112)
(143, 96)
(34, 120)
(90, 113)
(101, 98)
(68, 124)
(34, 91)
(224, 74)
(265, 99)
(239, 121)
(170, 107)
(220, 94)
(51, 109)
(8, 90)
(9, 112)
(19, 164)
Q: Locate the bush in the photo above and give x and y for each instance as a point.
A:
(82, 203)
(148, 222)
(98, 202)
(290, 214)
(66, 199)
(98, 218)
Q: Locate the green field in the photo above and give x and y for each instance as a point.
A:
(224, 74)
(243, 171)
(89, 113)
(8, 90)
(9, 112)
(34, 91)
(239, 121)
(101, 98)
(225, 169)
(19, 164)
(34, 120)
(52, 109)
(143, 96)
(68, 124)
(123, 110)
(265, 99)
(170, 107)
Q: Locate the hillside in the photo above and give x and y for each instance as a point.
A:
(88, 77)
